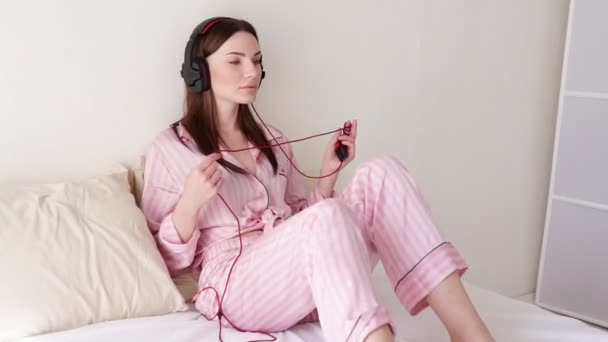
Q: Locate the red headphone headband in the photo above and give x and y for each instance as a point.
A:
(210, 25)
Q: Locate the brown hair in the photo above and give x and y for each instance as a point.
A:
(200, 117)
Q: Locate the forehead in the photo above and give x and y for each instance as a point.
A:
(240, 42)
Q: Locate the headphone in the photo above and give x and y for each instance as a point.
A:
(195, 70)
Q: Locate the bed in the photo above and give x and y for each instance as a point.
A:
(509, 320)
(113, 266)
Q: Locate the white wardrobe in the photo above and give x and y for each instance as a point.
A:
(573, 270)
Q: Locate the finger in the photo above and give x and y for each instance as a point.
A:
(334, 138)
(350, 145)
(208, 161)
(346, 138)
(344, 141)
(219, 183)
(218, 170)
(353, 131)
(210, 170)
(215, 177)
(349, 124)
(351, 149)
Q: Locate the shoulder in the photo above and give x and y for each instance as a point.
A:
(171, 147)
(167, 159)
(271, 132)
(163, 141)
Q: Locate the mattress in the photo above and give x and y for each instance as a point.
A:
(507, 318)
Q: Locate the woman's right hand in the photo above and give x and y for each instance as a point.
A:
(201, 184)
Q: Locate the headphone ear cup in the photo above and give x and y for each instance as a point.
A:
(204, 81)
(263, 74)
(190, 74)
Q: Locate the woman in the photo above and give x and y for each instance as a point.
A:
(300, 257)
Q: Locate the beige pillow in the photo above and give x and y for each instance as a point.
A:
(78, 253)
(186, 281)
(136, 179)
(187, 284)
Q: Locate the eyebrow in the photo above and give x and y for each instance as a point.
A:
(242, 54)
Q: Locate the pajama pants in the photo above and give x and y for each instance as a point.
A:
(318, 263)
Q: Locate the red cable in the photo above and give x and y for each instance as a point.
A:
(220, 301)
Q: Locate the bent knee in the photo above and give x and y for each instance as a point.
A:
(384, 161)
(378, 166)
(330, 207)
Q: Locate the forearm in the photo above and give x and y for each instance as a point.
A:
(184, 219)
(326, 185)
(177, 239)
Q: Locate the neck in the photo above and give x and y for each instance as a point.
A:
(227, 113)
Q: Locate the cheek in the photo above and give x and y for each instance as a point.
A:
(224, 76)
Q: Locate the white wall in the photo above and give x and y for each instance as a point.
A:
(87, 84)
(84, 85)
(490, 83)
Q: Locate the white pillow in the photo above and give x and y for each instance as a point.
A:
(186, 281)
(75, 253)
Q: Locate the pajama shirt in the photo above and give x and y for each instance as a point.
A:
(304, 257)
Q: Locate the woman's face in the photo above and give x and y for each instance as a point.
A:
(235, 69)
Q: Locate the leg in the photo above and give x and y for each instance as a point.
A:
(382, 334)
(452, 305)
(315, 259)
(398, 223)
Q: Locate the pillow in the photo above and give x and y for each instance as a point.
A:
(75, 253)
(136, 179)
(186, 281)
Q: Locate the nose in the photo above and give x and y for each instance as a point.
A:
(252, 70)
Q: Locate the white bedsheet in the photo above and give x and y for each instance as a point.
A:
(508, 319)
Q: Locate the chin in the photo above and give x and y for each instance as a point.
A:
(246, 99)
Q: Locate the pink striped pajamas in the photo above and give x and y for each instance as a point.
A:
(306, 257)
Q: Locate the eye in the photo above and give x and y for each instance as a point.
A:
(257, 61)
(235, 62)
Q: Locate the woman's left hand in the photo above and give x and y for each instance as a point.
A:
(331, 162)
